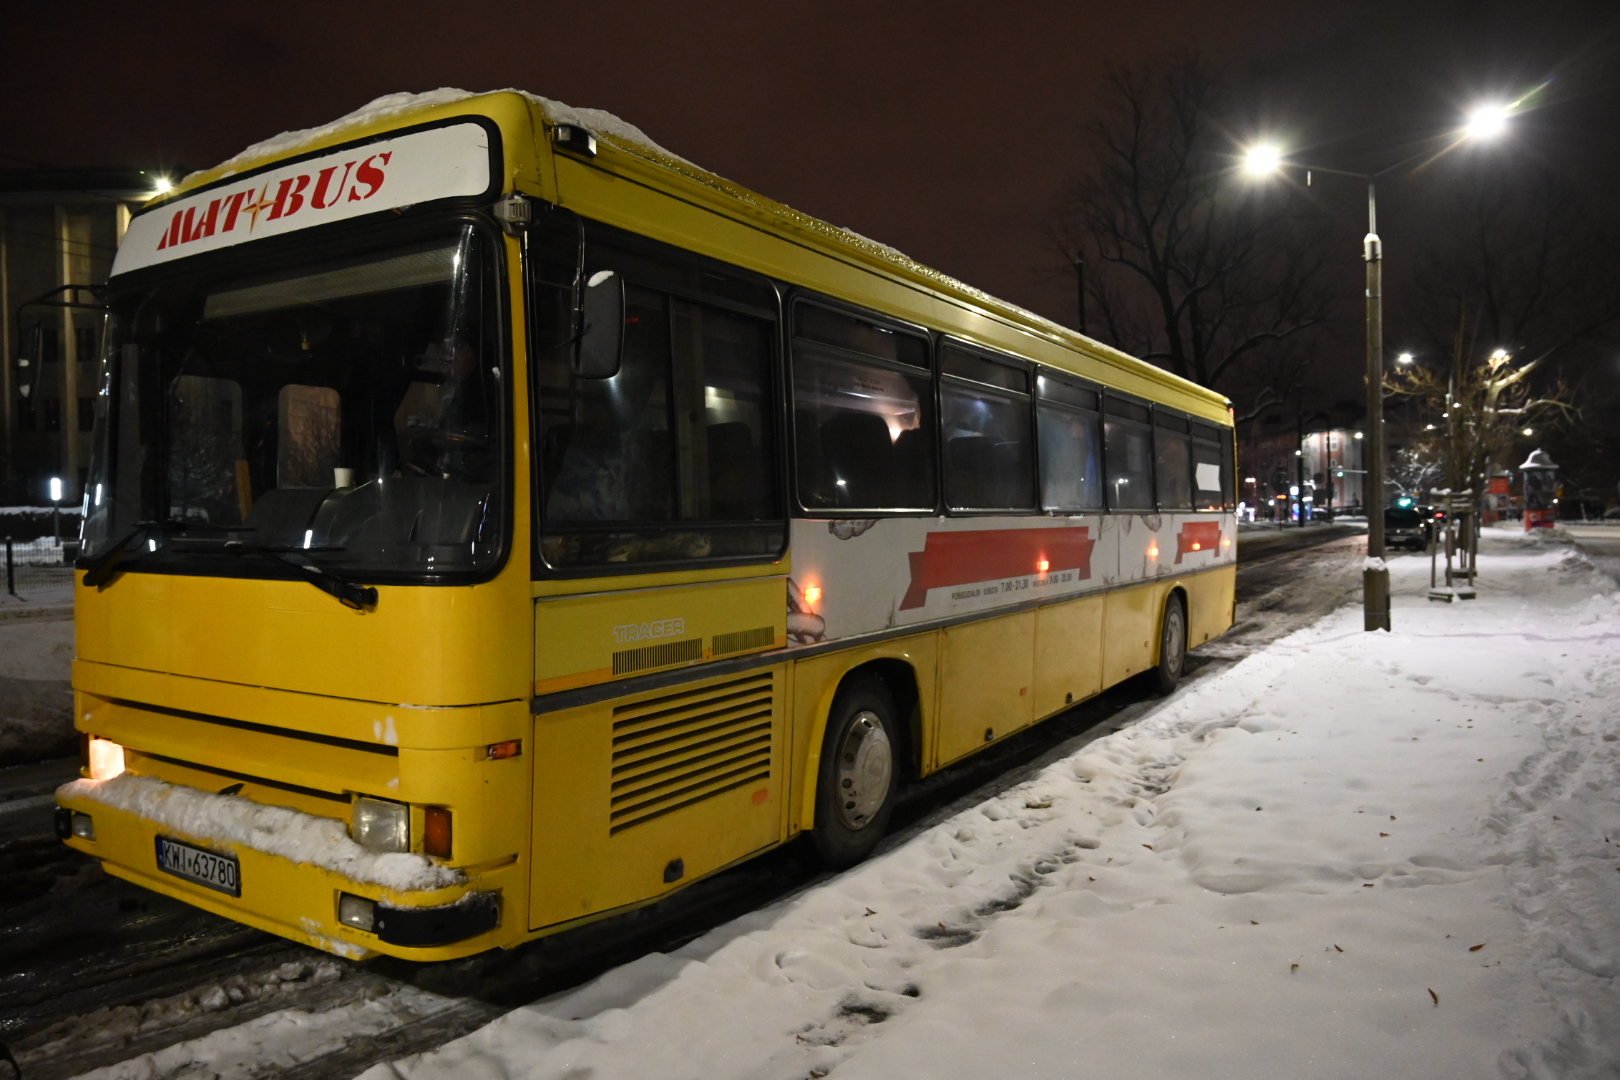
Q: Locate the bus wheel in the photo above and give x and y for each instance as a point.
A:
(1172, 644)
(855, 788)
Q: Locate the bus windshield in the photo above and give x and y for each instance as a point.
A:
(350, 411)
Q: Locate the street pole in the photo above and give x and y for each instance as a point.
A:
(1375, 577)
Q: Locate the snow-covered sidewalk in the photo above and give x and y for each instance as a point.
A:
(1349, 855)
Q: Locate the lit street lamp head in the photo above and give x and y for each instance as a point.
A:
(1405, 358)
(1262, 160)
(1488, 121)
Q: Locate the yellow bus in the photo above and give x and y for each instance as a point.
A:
(498, 522)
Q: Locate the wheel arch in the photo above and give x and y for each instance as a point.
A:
(1175, 590)
(899, 675)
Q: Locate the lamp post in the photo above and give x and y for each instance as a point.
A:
(1265, 159)
(56, 505)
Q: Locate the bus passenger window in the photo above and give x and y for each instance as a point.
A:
(618, 462)
(863, 420)
(673, 457)
(1070, 447)
(1127, 454)
(989, 459)
(1172, 462)
(1209, 493)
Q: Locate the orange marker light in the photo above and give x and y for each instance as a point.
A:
(436, 831)
(497, 751)
(1153, 550)
(812, 595)
(106, 759)
(1197, 546)
(1043, 566)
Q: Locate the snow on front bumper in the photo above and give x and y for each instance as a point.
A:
(294, 869)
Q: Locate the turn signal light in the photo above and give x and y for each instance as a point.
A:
(497, 751)
(1043, 566)
(812, 595)
(106, 759)
(436, 831)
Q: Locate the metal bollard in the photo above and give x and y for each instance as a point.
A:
(11, 570)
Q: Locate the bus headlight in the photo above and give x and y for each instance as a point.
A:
(381, 825)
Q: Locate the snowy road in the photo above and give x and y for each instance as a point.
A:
(1256, 878)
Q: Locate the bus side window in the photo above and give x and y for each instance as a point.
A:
(863, 415)
(1172, 460)
(673, 457)
(985, 423)
(1229, 468)
(1127, 454)
(1209, 490)
(1070, 439)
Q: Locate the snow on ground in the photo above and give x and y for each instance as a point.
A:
(278, 1041)
(1348, 855)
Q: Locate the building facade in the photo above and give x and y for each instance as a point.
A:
(1289, 465)
(59, 229)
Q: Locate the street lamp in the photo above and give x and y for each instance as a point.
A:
(1484, 122)
(56, 499)
(1405, 358)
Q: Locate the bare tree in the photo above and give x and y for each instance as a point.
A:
(1480, 405)
(1186, 266)
(1535, 275)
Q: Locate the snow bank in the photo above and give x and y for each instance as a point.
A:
(273, 830)
(1350, 855)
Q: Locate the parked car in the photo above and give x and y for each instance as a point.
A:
(1407, 526)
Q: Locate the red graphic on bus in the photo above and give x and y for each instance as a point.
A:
(1198, 536)
(965, 558)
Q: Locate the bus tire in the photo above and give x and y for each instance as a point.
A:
(857, 779)
(1172, 644)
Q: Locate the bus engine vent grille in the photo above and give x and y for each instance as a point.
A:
(680, 749)
(760, 638)
(629, 661)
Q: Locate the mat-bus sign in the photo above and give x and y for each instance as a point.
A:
(438, 163)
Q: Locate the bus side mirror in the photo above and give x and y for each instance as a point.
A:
(601, 334)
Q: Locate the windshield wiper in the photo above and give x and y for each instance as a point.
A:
(101, 568)
(347, 592)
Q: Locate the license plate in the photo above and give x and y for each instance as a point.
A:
(222, 872)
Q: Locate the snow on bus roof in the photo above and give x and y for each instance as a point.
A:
(628, 137)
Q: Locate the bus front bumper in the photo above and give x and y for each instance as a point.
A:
(300, 901)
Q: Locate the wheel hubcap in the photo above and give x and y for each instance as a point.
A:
(1174, 641)
(865, 763)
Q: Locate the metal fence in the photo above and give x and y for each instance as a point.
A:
(35, 566)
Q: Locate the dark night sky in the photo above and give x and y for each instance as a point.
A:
(945, 129)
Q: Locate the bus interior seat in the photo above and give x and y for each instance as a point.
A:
(914, 468)
(971, 461)
(860, 452)
(735, 474)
